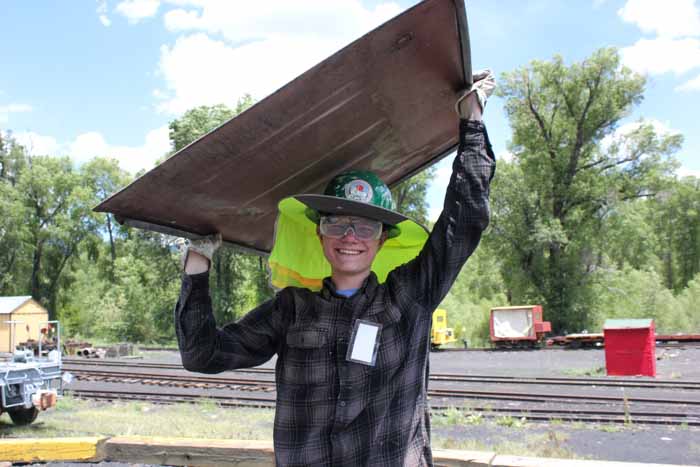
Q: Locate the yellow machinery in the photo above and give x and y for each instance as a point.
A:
(441, 334)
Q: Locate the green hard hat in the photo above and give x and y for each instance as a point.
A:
(297, 257)
(355, 193)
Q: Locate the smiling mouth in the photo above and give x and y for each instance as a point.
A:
(343, 251)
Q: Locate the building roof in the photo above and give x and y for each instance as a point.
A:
(10, 304)
(627, 323)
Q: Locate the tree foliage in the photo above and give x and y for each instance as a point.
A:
(410, 195)
(572, 170)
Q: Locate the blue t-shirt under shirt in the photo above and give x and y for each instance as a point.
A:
(346, 292)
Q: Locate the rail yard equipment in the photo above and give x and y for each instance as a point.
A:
(581, 340)
(630, 347)
(518, 326)
(440, 334)
(30, 383)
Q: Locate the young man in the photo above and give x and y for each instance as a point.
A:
(352, 359)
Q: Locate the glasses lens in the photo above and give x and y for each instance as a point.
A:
(338, 227)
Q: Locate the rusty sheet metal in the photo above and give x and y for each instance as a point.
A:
(384, 103)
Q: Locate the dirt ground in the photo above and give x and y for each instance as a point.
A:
(652, 444)
(635, 443)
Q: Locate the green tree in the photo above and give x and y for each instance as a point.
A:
(199, 121)
(567, 180)
(12, 234)
(13, 230)
(13, 159)
(59, 218)
(675, 214)
(105, 177)
(410, 195)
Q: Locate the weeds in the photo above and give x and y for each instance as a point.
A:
(75, 417)
(511, 422)
(597, 371)
(626, 408)
(610, 428)
(454, 416)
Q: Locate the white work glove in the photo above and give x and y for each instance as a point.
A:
(205, 246)
(483, 86)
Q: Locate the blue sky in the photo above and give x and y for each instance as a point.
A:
(104, 78)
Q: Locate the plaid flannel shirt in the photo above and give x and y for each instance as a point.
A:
(332, 412)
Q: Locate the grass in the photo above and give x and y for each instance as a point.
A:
(75, 417)
(455, 417)
(541, 445)
(610, 428)
(596, 371)
(511, 422)
(207, 420)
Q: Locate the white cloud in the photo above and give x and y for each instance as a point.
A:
(243, 21)
(685, 172)
(438, 186)
(661, 128)
(505, 156)
(229, 48)
(670, 18)
(102, 13)
(137, 10)
(662, 55)
(691, 85)
(434, 213)
(131, 158)
(38, 145)
(92, 144)
(6, 110)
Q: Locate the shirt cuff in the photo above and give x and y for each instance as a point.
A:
(471, 125)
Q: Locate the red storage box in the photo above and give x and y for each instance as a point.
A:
(630, 347)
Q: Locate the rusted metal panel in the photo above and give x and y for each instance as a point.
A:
(384, 103)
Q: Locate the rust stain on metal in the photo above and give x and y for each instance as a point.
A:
(384, 102)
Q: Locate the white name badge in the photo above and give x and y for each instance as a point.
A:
(364, 342)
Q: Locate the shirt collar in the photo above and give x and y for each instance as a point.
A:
(367, 288)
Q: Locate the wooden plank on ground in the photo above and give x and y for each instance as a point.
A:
(518, 461)
(191, 452)
(44, 450)
(455, 458)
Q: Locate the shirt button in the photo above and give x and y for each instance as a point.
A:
(342, 403)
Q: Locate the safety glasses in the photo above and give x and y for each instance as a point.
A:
(339, 226)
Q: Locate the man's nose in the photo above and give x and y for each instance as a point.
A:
(350, 230)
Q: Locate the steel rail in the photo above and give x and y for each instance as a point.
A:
(269, 386)
(595, 416)
(456, 378)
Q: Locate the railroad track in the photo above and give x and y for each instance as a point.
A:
(75, 367)
(526, 414)
(256, 387)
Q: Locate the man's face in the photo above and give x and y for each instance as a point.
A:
(348, 254)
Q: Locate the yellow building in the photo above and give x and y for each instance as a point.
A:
(21, 319)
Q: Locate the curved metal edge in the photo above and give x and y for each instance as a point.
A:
(184, 234)
(465, 46)
(440, 156)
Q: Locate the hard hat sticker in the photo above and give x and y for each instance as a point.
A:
(359, 190)
(364, 342)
